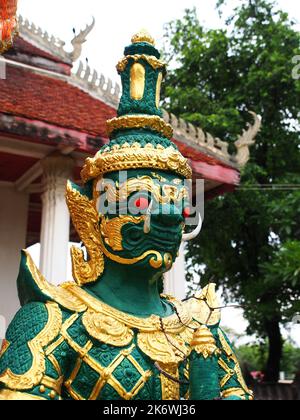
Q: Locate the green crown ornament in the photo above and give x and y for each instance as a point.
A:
(139, 137)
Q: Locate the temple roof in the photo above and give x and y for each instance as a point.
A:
(39, 97)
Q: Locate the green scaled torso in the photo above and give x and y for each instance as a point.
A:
(75, 347)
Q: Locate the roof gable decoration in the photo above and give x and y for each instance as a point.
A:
(51, 44)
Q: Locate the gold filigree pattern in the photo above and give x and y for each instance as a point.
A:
(35, 374)
(204, 343)
(107, 329)
(170, 390)
(159, 177)
(229, 373)
(135, 156)
(188, 334)
(153, 122)
(156, 261)
(154, 62)
(172, 324)
(166, 347)
(106, 374)
(177, 181)
(86, 221)
(162, 194)
(111, 230)
(53, 384)
(163, 348)
(205, 306)
(231, 356)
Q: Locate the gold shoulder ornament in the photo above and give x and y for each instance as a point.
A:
(205, 306)
(164, 340)
(59, 294)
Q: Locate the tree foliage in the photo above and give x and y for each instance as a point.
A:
(255, 357)
(249, 239)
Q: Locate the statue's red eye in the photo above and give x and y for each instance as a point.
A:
(142, 203)
(186, 212)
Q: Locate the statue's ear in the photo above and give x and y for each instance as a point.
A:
(86, 222)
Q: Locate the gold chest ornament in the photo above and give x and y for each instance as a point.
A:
(164, 340)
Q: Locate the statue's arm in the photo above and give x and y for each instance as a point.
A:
(214, 369)
(232, 383)
(29, 369)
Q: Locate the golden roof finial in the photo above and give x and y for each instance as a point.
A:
(143, 36)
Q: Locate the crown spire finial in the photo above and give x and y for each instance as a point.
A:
(143, 36)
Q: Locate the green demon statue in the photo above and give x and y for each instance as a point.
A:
(110, 335)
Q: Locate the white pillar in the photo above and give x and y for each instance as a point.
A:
(13, 229)
(175, 284)
(55, 232)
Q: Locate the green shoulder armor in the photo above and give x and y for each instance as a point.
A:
(22, 361)
(33, 287)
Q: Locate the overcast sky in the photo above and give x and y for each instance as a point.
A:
(116, 22)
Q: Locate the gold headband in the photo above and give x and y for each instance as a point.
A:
(126, 157)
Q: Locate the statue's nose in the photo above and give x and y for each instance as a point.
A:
(168, 215)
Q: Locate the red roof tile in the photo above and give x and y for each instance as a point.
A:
(38, 97)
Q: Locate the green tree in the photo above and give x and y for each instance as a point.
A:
(217, 76)
(255, 357)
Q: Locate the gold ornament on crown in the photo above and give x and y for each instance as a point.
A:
(143, 36)
(164, 194)
(154, 62)
(126, 157)
(153, 122)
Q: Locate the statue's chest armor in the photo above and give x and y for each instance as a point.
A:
(103, 371)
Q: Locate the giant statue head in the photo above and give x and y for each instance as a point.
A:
(131, 210)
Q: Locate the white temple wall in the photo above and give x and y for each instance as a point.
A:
(13, 228)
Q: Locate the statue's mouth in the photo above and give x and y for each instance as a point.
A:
(162, 239)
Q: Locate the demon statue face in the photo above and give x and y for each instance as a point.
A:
(133, 218)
